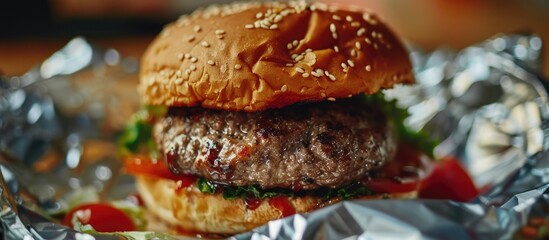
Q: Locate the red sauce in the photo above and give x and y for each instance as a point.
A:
(244, 152)
(252, 203)
(283, 204)
(297, 186)
(212, 156)
(216, 165)
(171, 160)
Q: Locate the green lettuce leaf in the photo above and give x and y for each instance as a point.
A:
(418, 139)
(353, 190)
(137, 135)
(205, 186)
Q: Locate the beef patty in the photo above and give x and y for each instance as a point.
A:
(304, 146)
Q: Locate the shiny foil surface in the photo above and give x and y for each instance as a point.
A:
(485, 104)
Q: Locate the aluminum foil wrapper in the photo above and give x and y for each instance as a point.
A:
(485, 104)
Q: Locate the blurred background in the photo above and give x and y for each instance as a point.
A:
(31, 30)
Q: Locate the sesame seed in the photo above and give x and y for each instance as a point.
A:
(249, 26)
(319, 72)
(205, 44)
(289, 64)
(368, 68)
(332, 77)
(294, 56)
(366, 16)
(219, 31)
(351, 63)
(284, 88)
(355, 24)
(299, 58)
(345, 70)
(333, 28)
(336, 17)
(180, 56)
(192, 67)
(353, 53)
(336, 48)
(315, 74)
(187, 71)
(274, 26)
(367, 40)
(259, 15)
(178, 73)
(323, 95)
(334, 35)
(349, 18)
(278, 18)
(308, 50)
(331, 99)
(357, 45)
(219, 36)
(257, 24)
(237, 66)
(190, 38)
(295, 43)
(350, 95)
(290, 46)
(178, 80)
(343, 65)
(299, 70)
(305, 75)
(187, 56)
(375, 46)
(193, 59)
(326, 73)
(210, 62)
(197, 28)
(360, 32)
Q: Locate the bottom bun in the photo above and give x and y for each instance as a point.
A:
(190, 210)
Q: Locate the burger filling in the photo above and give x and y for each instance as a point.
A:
(326, 149)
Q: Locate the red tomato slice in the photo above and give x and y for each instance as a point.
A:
(448, 181)
(102, 217)
(139, 165)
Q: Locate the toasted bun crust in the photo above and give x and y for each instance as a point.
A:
(255, 56)
(194, 211)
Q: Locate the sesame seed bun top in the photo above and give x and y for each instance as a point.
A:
(255, 56)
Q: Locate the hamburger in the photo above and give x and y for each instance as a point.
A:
(257, 111)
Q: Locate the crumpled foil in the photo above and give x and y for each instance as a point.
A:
(485, 104)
